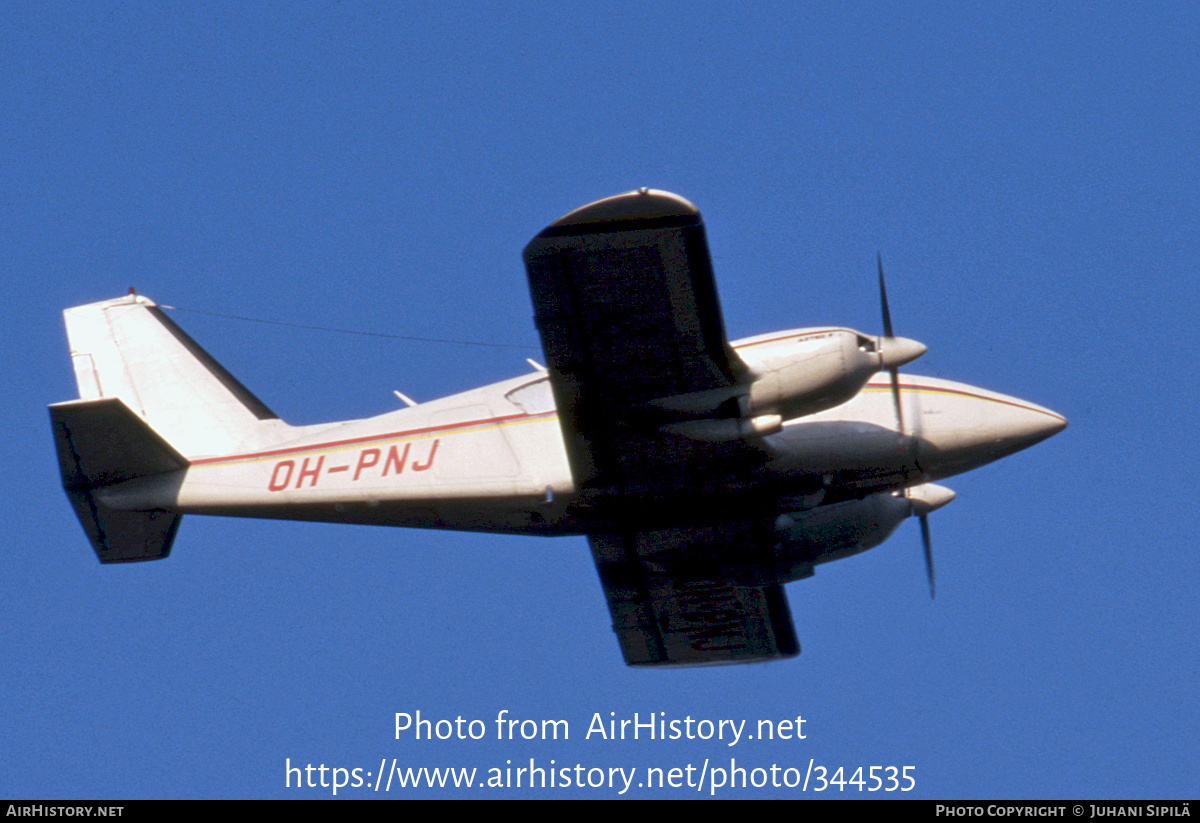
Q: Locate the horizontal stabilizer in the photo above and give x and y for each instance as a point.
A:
(103, 442)
(124, 536)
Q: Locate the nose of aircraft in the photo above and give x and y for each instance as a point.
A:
(963, 427)
(1033, 424)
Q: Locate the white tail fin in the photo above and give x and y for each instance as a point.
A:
(129, 349)
(150, 400)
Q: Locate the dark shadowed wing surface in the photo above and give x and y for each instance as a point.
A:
(676, 599)
(627, 309)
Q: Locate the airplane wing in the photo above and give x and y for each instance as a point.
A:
(649, 396)
(627, 309)
(674, 602)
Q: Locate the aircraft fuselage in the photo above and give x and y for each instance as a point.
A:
(493, 459)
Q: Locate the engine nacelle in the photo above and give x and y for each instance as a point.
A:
(808, 371)
(790, 375)
(838, 530)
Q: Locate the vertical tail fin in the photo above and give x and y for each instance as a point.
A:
(128, 348)
(150, 399)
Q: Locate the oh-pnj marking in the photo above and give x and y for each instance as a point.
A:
(371, 462)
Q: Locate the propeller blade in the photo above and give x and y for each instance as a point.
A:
(928, 544)
(896, 400)
(883, 301)
(904, 351)
(887, 333)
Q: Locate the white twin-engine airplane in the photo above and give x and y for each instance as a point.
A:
(704, 474)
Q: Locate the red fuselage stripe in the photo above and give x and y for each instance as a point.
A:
(371, 438)
(495, 421)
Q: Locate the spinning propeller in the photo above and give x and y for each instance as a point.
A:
(896, 351)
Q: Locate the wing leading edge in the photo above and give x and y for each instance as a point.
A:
(626, 306)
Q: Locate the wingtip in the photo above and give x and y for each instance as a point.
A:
(644, 204)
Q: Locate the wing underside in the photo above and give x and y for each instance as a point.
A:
(674, 602)
(626, 306)
(627, 309)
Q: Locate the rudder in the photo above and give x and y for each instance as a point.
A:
(128, 348)
(151, 399)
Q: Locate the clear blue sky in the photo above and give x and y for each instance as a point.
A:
(1028, 171)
